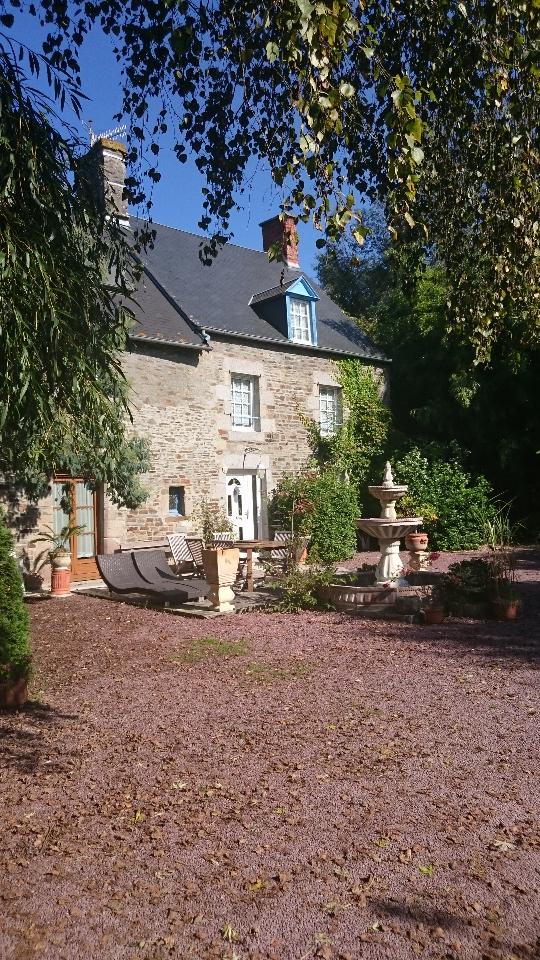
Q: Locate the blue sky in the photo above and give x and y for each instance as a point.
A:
(177, 197)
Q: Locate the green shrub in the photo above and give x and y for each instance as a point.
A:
(14, 642)
(320, 505)
(469, 581)
(455, 507)
(300, 589)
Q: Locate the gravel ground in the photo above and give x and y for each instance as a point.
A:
(273, 786)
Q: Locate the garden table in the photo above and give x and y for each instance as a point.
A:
(249, 546)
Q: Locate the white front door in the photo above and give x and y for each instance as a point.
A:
(242, 503)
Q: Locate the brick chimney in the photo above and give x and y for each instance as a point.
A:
(284, 233)
(103, 172)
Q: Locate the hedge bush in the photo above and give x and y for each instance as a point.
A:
(14, 639)
(321, 505)
(455, 506)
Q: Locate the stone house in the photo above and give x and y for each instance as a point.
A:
(222, 362)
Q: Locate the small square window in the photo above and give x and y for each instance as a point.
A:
(300, 320)
(177, 502)
(330, 410)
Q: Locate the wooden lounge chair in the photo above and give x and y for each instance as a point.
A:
(118, 571)
(195, 546)
(179, 548)
(223, 539)
(153, 567)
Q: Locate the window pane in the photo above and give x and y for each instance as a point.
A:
(177, 501)
(60, 517)
(330, 409)
(242, 401)
(300, 320)
(84, 517)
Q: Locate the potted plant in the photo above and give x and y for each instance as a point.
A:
(15, 660)
(505, 601)
(416, 542)
(500, 535)
(433, 604)
(210, 518)
(58, 555)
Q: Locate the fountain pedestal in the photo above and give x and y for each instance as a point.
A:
(388, 529)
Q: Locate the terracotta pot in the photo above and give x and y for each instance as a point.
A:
(415, 542)
(14, 693)
(434, 614)
(60, 582)
(505, 609)
(301, 551)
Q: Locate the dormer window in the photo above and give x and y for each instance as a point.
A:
(291, 309)
(300, 320)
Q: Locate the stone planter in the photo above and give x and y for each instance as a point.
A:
(220, 570)
(349, 597)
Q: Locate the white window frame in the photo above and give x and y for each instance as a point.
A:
(244, 402)
(330, 410)
(300, 320)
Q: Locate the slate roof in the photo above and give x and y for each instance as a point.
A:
(181, 299)
(159, 318)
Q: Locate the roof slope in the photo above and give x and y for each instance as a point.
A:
(217, 298)
(158, 317)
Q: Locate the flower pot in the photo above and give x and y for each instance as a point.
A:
(505, 609)
(61, 560)
(33, 582)
(60, 573)
(301, 551)
(415, 542)
(434, 614)
(14, 693)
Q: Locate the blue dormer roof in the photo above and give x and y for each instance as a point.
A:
(276, 306)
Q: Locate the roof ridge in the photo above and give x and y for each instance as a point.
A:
(201, 236)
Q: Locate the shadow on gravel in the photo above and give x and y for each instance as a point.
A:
(416, 913)
(23, 745)
(517, 641)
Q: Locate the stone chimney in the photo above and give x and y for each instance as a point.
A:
(103, 172)
(284, 233)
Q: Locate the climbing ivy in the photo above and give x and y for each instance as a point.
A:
(361, 438)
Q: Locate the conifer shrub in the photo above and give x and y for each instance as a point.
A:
(14, 634)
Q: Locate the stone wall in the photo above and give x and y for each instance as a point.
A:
(181, 403)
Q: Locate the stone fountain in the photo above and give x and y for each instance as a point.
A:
(388, 529)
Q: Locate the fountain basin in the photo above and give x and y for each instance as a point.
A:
(388, 533)
(383, 529)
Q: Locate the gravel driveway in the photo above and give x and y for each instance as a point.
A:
(273, 786)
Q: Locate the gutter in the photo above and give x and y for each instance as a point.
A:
(287, 344)
(171, 343)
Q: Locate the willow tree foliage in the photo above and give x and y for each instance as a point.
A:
(431, 106)
(65, 277)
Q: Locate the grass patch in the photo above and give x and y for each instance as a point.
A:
(202, 647)
(270, 672)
